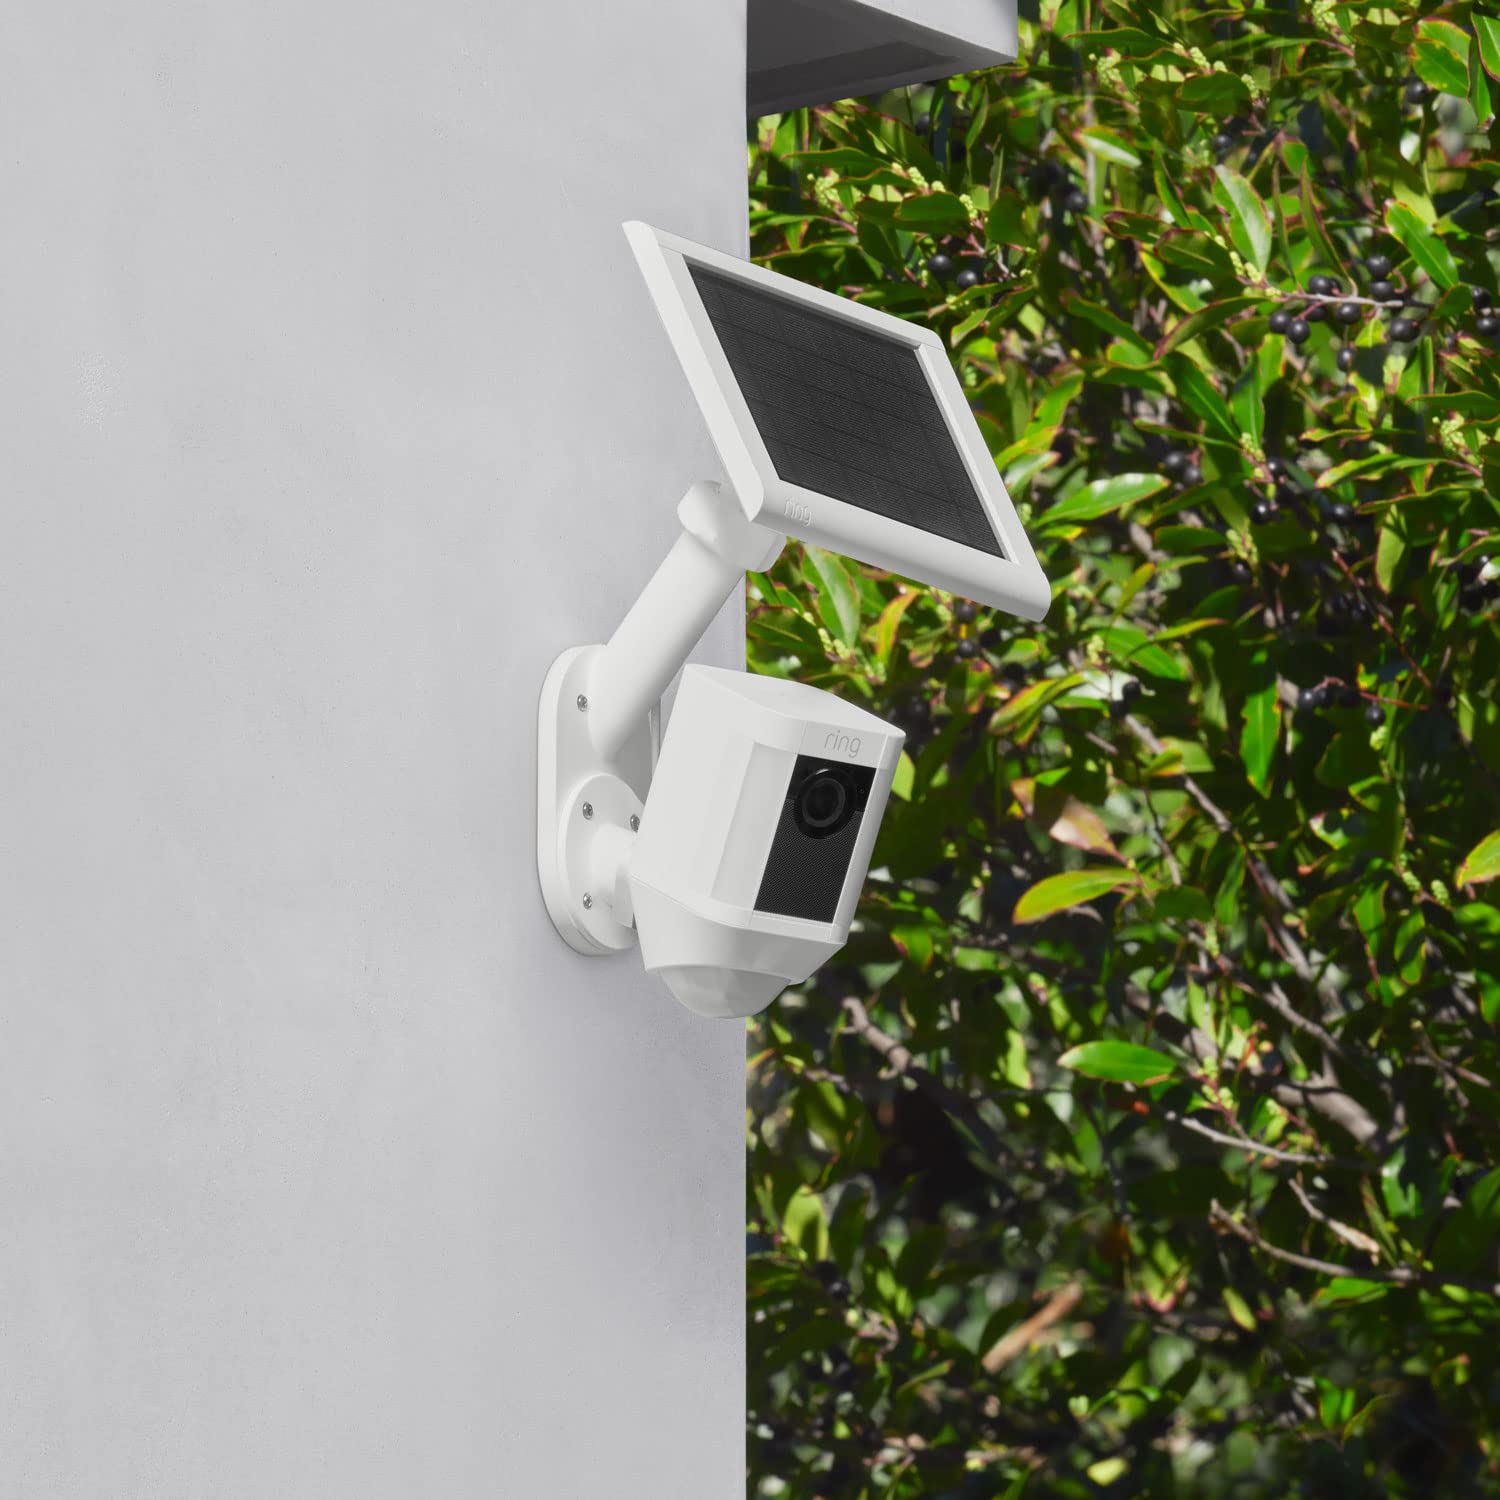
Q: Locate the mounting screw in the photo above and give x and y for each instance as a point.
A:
(635, 823)
(588, 809)
(583, 703)
(588, 901)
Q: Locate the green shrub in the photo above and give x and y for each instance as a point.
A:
(1142, 1140)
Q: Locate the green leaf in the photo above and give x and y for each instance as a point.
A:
(1390, 548)
(1006, 224)
(1205, 320)
(842, 159)
(933, 212)
(889, 622)
(1487, 32)
(1440, 57)
(838, 595)
(1058, 892)
(1200, 394)
(1422, 244)
(1249, 224)
(1312, 224)
(1261, 735)
(1128, 40)
(1467, 1240)
(1239, 1309)
(1110, 145)
(1018, 715)
(806, 1225)
(1119, 1062)
(915, 943)
(1134, 649)
(1482, 863)
(1223, 93)
(1103, 496)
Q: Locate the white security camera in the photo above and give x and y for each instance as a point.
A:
(735, 851)
(756, 836)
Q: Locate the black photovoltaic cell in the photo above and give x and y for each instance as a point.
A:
(845, 412)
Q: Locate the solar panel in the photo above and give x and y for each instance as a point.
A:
(845, 412)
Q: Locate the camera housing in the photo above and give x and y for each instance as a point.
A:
(756, 836)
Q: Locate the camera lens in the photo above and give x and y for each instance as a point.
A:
(824, 803)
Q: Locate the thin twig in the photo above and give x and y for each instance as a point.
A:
(1346, 1232)
(1253, 1147)
(1017, 1339)
(1394, 1276)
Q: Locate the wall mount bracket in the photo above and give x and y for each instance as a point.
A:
(598, 720)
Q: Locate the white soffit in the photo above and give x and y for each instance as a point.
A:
(815, 51)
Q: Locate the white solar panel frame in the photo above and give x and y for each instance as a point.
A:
(1014, 582)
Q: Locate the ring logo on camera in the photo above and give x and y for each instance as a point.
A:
(842, 743)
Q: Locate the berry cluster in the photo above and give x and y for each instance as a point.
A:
(963, 271)
(1339, 695)
(1326, 301)
(1182, 468)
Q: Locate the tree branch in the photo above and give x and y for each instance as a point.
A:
(1394, 1276)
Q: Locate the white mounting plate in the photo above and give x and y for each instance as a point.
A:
(570, 774)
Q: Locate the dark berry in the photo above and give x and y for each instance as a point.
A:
(1076, 201)
(1487, 326)
(1239, 570)
(1403, 330)
(1118, 708)
(1223, 144)
(1417, 92)
(1317, 313)
(1341, 512)
(1346, 359)
(1130, 690)
(1262, 511)
(1191, 475)
(1374, 714)
(1322, 286)
(965, 648)
(1481, 297)
(965, 612)
(1313, 698)
(940, 265)
(966, 278)
(1279, 321)
(1379, 266)
(1044, 178)
(1276, 467)
(924, 123)
(1383, 291)
(1299, 332)
(1174, 463)
(1349, 312)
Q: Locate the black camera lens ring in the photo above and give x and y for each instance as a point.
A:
(824, 802)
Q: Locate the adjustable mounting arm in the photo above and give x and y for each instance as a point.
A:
(597, 723)
(706, 565)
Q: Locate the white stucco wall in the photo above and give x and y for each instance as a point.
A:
(331, 407)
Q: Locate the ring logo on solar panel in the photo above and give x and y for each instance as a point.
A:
(844, 412)
(795, 510)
